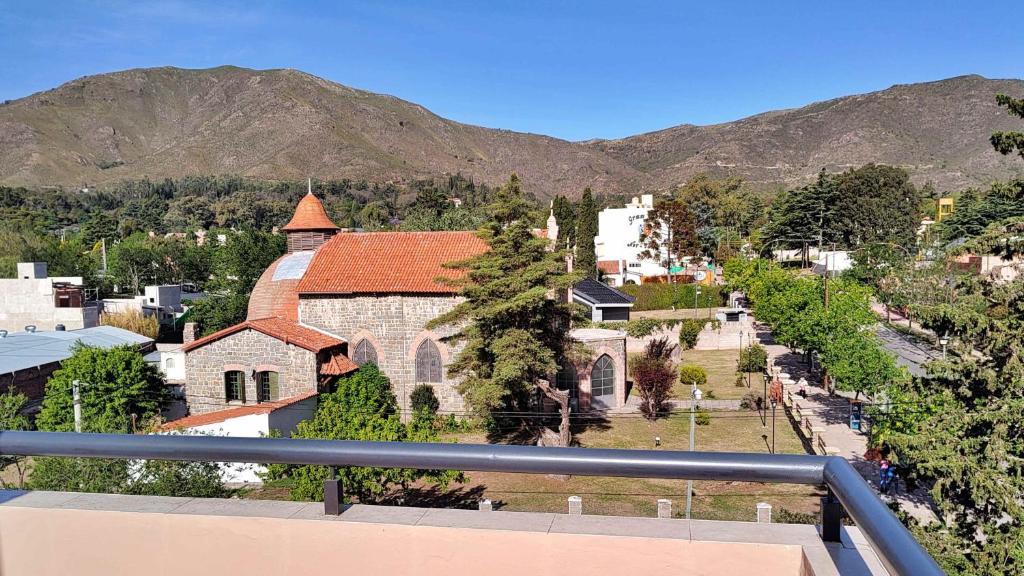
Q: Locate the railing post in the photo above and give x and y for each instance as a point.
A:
(831, 517)
(333, 494)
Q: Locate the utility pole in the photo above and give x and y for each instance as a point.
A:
(77, 400)
(693, 424)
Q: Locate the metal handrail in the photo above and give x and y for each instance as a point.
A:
(895, 546)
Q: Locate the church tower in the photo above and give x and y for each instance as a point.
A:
(310, 227)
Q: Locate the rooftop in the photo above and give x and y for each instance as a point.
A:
(98, 532)
(22, 350)
(600, 293)
(309, 215)
(288, 331)
(388, 262)
(208, 418)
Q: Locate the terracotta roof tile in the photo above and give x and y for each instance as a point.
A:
(388, 262)
(608, 266)
(309, 215)
(281, 328)
(222, 415)
(338, 365)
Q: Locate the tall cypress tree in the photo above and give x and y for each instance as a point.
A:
(1010, 142)
(586, 230)
(515, 333)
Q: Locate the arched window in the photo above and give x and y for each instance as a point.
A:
(428, 362)
(364, 352)
(602, 379)
(234, 386)
(266, 386)
(169, 363)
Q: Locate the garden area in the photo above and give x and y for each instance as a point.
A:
(726, 432)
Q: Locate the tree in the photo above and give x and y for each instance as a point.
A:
(565, 216)
(586, 231)
(119, 390)
(714, 204)
(669, 234)
(653, 376)
(218, 312)
(961, 434)
(97, 226)
(133, 263)
(514, 332)
(12, 417)
(375, 216)
(363, 407)
(120, 394)
(241, 261)
(1010, 142)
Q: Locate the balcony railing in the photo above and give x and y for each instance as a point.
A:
(896, 547)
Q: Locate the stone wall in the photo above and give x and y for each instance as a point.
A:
(615, 348)
(249, 351)
(395, 324)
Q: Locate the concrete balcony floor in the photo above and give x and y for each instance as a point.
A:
(69, 533)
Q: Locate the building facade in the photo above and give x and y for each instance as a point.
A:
(618, 244)
(38, 300)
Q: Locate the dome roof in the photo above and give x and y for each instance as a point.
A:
(309, 215)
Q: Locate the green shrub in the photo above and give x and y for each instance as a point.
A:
(710, 395)
(703, 417)
(751, 401)
(692, 373)
(753, 358)
(741, 380)
(784, 516)
(642, 327)
(424, 399)
(688, 332)
(664, 296)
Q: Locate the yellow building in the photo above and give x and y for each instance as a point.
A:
(945, 208)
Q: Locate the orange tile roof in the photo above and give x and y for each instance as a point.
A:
(338, 365)
(389, 262)
(608, 266)
(222, 415)
(288, 331)
(271, 297)
(309, 215)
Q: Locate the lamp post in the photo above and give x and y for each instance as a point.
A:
(697, 394)
(944, 341)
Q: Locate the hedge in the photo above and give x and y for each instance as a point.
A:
(662, 296)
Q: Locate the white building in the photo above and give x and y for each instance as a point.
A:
(255, 421)
(44, 302)
(618, 246)
(163, 301)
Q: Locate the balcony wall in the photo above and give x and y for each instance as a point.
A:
(51, 533)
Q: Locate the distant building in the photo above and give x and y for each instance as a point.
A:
(35, 299)
(605, 303)
(835, 262)
(618, 245)
(945, 208)
(162, 301)
(28, 359)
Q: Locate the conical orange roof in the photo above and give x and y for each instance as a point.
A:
(309, 215)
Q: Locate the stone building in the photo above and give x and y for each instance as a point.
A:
(337, 300)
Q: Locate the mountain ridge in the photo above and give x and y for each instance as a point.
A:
(285, 123)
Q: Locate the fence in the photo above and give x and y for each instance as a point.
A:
(895, 546)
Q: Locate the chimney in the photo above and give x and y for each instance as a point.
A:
(188, 333)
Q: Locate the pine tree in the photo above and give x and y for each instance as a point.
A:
(1010, 142)
(586, 230)
(514, 325)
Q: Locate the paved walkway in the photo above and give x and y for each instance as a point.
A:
(830, 415)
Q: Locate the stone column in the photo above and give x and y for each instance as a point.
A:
(764, 513)
(575, 506)
(664, 508)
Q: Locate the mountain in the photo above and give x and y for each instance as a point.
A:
(938, 131)
(285, 124)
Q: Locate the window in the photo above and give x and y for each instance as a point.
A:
(365, 352)
(234, 386)
(428, 362)
(169, 363)
(266, 386)
(602, 379)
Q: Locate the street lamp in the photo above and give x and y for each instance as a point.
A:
(944, 341)
(697, 394)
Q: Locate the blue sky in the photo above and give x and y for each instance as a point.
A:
(574, 70)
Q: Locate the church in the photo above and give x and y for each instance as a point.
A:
(338, 299)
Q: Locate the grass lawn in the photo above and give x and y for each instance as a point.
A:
(721, 368)
(728, 432)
